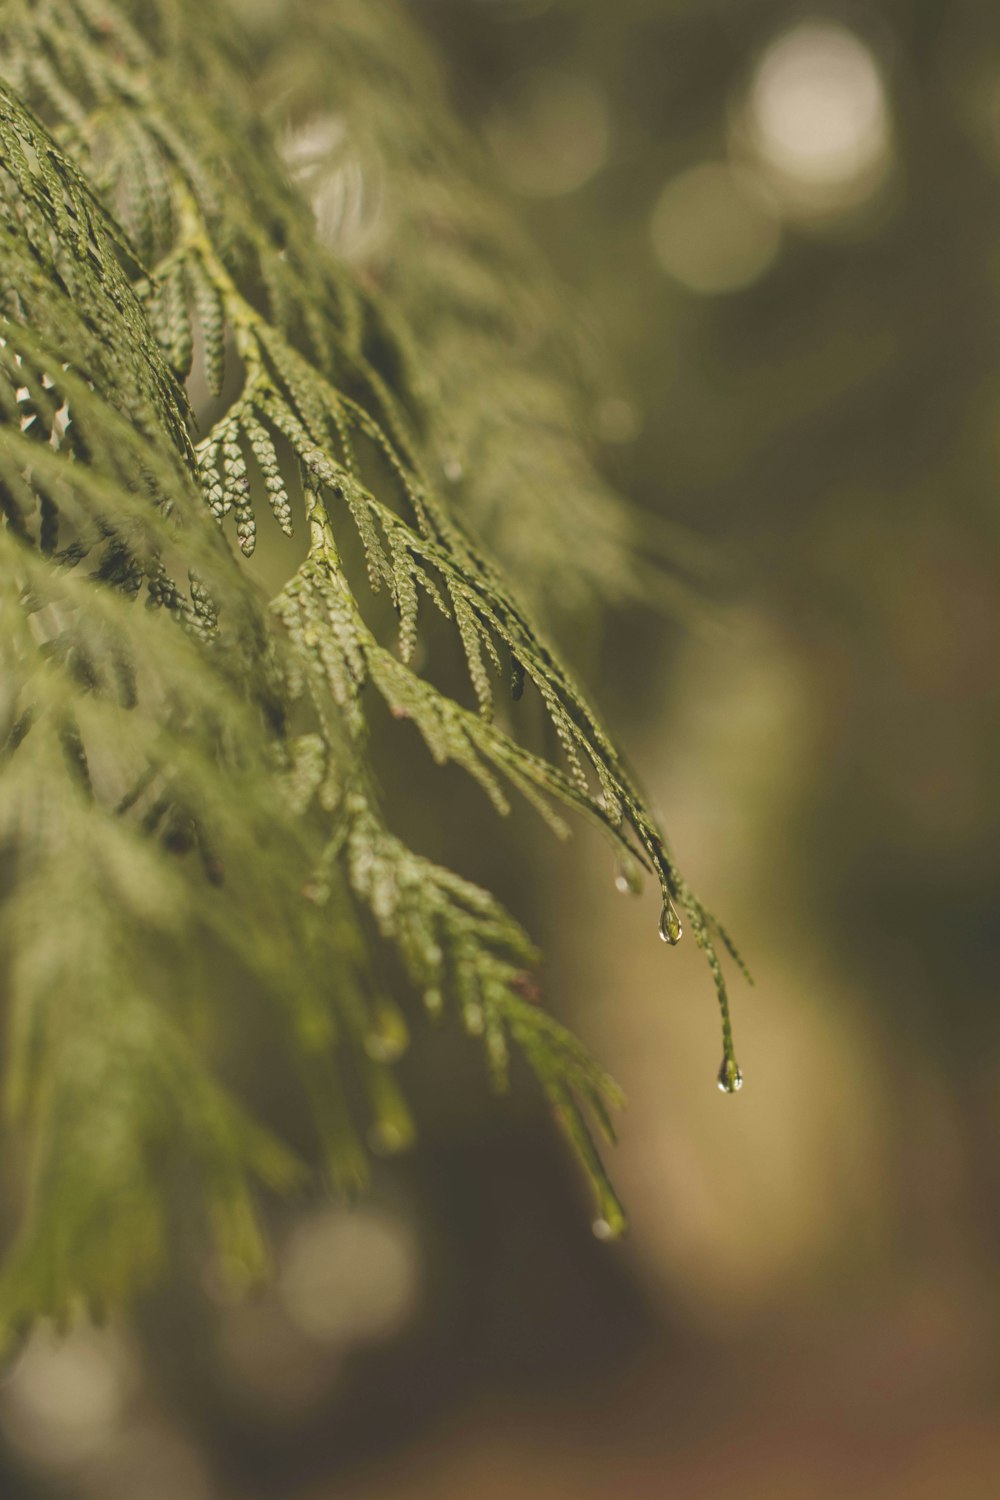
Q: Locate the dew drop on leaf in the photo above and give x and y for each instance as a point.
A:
(671, 930)
(730, 1078)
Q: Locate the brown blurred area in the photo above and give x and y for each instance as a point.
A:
(783, 222)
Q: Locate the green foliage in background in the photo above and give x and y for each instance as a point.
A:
(186, 785)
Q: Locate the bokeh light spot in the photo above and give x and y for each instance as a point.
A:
(66, 1396)
(350, 1277)
(552, 135)
(711, 233)
(818, 118)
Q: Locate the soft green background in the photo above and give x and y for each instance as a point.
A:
(804, 368)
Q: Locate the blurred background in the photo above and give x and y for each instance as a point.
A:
(782, 222)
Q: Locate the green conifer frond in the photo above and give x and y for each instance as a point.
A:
(172, 743)
(499, 372)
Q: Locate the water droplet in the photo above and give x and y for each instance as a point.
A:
(602, 1230)
(454, 469)
(730, 1077)
(671, 930)
(628, 878)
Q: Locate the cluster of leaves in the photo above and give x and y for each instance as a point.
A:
(128, 733)
(498, 371)
(209, 725)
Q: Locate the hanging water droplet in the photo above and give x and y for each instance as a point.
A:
(628, 878)
(671, 930)
(602, 1230)
(730, 1077)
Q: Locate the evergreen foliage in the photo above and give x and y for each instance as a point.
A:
(501, 374)
(186, 784)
